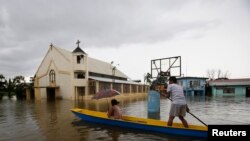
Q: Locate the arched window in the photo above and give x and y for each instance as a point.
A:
(52, 76)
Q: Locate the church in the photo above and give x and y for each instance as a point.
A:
(72, 75)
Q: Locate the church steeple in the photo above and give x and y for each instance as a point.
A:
(78, 49)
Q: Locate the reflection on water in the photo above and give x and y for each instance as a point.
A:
(53, 120)
(104, 132)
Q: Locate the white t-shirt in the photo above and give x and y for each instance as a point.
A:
(176, 94)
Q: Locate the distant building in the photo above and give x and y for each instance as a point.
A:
(193, 85)
(230, 86)
(71, 75)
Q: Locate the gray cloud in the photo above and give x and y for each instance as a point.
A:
(28, 27)
(100, 23)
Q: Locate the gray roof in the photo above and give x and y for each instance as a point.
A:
(190, 77)
(78, 50)
(230, 82)
(112, 80)
(95, 65)
(101, 67)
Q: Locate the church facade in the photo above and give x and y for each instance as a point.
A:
(72, 75)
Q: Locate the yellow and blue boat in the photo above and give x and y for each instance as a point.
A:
(152, 125)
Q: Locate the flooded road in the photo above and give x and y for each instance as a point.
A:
(53, 121)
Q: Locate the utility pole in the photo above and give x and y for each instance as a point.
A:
(113, 72)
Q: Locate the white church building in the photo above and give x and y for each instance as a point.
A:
(72, 75)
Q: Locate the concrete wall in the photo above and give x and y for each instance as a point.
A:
(64, 83)
(239, 90)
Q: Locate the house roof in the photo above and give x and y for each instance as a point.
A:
(64, 53)
(190, 77)
(226, 82)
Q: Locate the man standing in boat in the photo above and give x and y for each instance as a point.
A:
(179, 104)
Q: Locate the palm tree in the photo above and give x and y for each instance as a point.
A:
(147, 79)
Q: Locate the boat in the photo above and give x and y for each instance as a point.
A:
(152, 125)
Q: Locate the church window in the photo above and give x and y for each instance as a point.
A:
(52, 76)
(79, 59)
(79, 75)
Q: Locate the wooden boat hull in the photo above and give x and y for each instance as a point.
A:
(142, 124)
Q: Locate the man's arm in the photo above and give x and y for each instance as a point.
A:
(166, 94)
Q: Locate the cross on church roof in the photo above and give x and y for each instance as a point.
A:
(51, 45)
(78, 49)
(78, 42)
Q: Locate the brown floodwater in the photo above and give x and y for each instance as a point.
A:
(53, 121)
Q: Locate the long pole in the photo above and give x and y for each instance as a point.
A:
(193, 115)
(197, 118)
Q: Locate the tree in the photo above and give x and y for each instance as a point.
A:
(226, 74)
(2, 82)
(211, 74)
(19, 84)
(220, 75)
(19, 80)
(2, 85)
(32, 80)
(10, 87)
(147, 79)
(15, 85)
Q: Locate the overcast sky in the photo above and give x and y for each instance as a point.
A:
(207, 34)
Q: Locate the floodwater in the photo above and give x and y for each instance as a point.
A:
(53, 121)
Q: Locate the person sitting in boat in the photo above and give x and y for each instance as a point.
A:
(115, 111)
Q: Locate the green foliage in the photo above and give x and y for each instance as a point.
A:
(12, 86)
